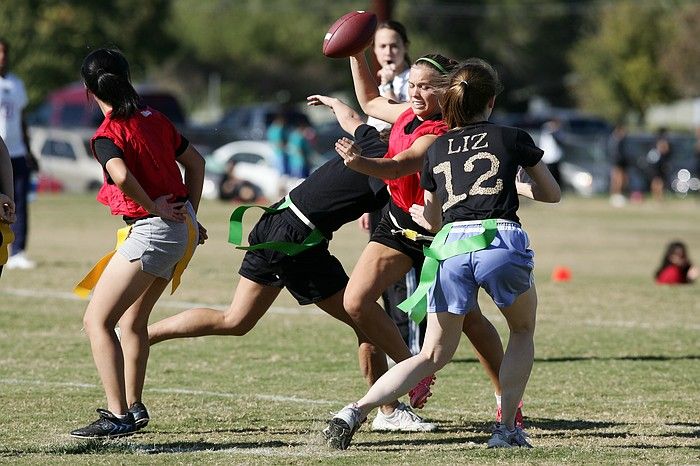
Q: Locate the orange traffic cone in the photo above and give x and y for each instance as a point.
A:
(561, 274)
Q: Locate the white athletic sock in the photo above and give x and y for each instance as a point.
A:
(121, 417)
(347, 414)
(498, 400)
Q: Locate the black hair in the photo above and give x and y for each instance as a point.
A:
(105, 73)
(471, 87)
(672, 246)
(400, 29)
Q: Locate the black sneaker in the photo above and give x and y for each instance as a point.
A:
(140, 413)
(342, 427)
(107, 426)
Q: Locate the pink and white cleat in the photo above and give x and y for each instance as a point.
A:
(420, 393)
(519, 420)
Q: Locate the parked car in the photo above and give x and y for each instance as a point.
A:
(70, 107)
(585, 165)
(65, 156)
(254, 163)
(682, 176)
(250, 122)
(66, 161)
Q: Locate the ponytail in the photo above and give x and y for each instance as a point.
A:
(471, 87)
(105, 73)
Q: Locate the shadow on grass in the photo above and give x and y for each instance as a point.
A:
(244, 431)
(92, 447)
(648, 357)
(396, 444)
(189, 447)
(568, 424)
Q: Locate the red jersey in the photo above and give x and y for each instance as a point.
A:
(149, 142)
(406, 191)
(672, 275)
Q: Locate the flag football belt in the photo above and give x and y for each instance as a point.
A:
(88, 283)
(407, 232)
(416, 305)
(6, 238)
(235, 232)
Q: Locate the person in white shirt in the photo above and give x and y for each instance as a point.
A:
(391, 51)
(13, 100)
(550, 143)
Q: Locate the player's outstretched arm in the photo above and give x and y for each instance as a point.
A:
(347, 117)
(404, 163)
(367, 93)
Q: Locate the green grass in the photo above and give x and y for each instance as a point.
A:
(615, 379)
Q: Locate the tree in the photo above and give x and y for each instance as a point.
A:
(681, 59)
(50, 38)
(526, 41)
(263, 49)
(617, 63)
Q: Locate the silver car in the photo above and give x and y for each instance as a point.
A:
(65, 156)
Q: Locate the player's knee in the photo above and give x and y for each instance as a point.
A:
(353, 306)
(235, 326)
(434, 358)
(524, 327)
(93, 326)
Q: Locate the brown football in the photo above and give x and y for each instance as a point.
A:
(350, 34)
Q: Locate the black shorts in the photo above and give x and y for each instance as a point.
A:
(311, 276)
(383, 235)
(621, 162)
(660, 169)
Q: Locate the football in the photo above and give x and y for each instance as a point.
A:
(350, 34)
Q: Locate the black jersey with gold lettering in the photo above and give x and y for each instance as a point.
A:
(472, 170)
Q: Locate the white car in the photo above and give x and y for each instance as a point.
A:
(255, 163)
(65, 156)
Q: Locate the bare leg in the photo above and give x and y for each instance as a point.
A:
(134, 339)
(372, 359)
(657, 188)
(250, 302)
(441, 341)
(376, 269)
(520, 353)
(120, 285)
(487, 344)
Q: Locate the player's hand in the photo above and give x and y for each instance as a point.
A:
(348, 151)
(202, 233)
(7, 209)
(416, 211)
(165, 209)
(386, 74)
(317, 99)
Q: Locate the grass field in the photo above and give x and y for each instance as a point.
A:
(615, 380)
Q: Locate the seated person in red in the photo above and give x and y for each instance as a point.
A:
(676, 267)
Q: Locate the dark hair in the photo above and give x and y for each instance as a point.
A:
(400, 29)
(4, 42)
(105, 73)
(471, 86)
(669, 250)
(439, 63)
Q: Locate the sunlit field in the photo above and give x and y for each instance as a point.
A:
(615, 378)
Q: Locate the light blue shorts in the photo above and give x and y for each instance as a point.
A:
(503, 269)
(158, 243)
